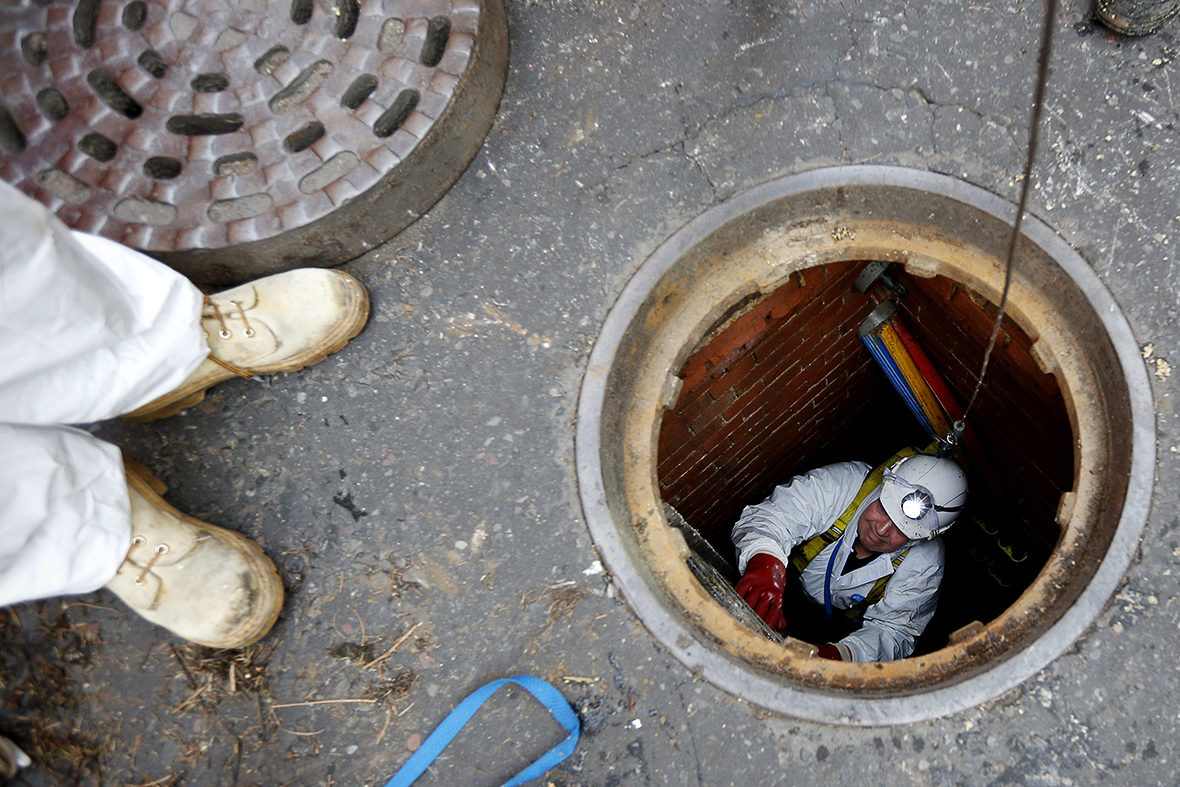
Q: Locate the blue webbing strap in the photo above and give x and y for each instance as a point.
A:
(828, 582)
(889, 366)
(445, 732)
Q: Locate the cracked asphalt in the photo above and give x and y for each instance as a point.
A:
(421, 482)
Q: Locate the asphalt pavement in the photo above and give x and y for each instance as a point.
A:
(421, 482)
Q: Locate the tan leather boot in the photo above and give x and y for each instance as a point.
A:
(206, 584)
(279, 323)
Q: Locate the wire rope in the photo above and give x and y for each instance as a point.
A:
(1026, 186)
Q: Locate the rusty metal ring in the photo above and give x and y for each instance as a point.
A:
(754, 242)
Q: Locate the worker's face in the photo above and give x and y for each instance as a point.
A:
(877, 532)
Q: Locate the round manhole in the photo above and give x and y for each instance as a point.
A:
(731, 362)
(234, 138)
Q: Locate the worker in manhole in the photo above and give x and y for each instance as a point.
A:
(850, 558)
(89, 330)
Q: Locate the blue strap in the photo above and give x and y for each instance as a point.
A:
(889, 366)
(445, 732)
(828, 582)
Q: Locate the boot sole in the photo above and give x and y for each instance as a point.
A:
(194, 393)
(1128, 26)
(269, 601)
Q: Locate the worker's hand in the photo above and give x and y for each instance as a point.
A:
(762, 587)
(829, 651)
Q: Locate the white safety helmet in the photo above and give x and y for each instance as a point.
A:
(923, 495)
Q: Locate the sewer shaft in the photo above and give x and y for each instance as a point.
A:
(680, 360)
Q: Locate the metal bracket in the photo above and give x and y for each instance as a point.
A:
(876, 272)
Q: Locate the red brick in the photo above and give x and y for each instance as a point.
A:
(773, 399)
(771, 416)
(736, 377)
(804, 360)
(711, 409)
(798, 396)
(673, 431)
(688, 408)
(685, 455)
(726, 357)
(693, 374)
(689, 465)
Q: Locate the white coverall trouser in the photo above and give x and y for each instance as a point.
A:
(89, 329)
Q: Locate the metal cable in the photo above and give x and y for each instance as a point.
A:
(1033, 139)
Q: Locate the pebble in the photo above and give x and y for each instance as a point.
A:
(413, 742)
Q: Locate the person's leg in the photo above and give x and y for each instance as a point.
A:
(89, 329)
(74, 517)
(65, 517)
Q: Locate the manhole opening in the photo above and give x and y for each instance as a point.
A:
(731, 361)
(784, 385)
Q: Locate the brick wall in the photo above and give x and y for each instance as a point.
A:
(788, 386)
(1020, 414)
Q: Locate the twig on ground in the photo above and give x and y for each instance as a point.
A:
(384, 727)
(320, 702)
(393, 647)
(279, 724)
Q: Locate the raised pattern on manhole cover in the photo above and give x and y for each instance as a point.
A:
(202, 124)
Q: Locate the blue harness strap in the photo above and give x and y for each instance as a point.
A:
(445, 732)
(828, 582)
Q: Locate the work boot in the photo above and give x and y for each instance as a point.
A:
(206, 584)
(12, 759)
(280, 323)
(1135, 17)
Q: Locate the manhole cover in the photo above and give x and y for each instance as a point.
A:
(731, 362)
(232, 138)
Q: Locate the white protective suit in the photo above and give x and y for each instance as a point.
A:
(89, 329)
(810, 504)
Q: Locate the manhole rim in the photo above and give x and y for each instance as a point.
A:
(724, 669)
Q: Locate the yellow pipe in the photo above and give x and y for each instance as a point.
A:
(917, 383)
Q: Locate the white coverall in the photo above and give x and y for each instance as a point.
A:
(810, 504)
(89, 329)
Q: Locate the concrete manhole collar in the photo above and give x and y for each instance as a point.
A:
(233, 139)
(933, 226)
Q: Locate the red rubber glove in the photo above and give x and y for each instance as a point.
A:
(762, 587)
(830, 651)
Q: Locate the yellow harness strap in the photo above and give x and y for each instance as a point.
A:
(803, 554)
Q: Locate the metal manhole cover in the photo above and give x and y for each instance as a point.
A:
(190, 127)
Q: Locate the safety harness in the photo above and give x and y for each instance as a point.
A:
(803, 554)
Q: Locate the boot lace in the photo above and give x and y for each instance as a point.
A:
(226, 333)
(157, 553)
(248, 332)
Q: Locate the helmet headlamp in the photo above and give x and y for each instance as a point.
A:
(915, 505)
(912, 489)
(918, 503)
